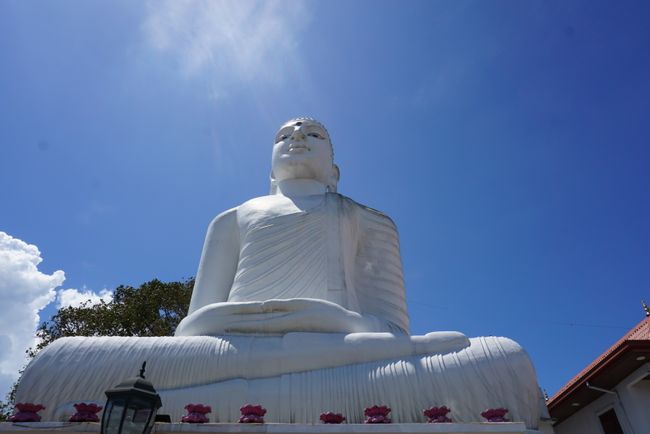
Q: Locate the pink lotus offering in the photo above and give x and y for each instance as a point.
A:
(437, 414)
(85, 413)
(26, 412)
(377, 414)
(330, 417)
(252, 414)
(495, 414)
(196, 413)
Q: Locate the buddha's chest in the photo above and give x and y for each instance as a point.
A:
(289, 220)
(279, 223)
(263, 211)
(294, 249)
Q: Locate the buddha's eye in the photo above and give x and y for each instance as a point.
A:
(318, 136)
(282, 137)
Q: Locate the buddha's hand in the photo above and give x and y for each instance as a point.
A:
(276, 317)
(213, 319)
(303, 315)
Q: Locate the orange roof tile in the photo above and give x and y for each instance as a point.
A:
(640, 332)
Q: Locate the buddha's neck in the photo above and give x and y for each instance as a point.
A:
(300, 187)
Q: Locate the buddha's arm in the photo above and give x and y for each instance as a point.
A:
(218, 261)
(378, 278)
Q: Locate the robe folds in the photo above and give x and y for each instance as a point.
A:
(337, 250)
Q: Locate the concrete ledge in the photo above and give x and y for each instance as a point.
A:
(278, 428)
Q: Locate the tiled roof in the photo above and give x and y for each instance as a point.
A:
(640, 332)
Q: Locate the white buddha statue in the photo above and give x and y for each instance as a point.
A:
(303, 259)
(298, 305)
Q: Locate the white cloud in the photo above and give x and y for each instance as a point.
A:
(24, 291)
(234, 40)
(75, 298)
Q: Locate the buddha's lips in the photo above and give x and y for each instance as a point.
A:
(298, 148)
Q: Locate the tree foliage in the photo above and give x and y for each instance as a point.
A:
(5, 409)
(153, 309)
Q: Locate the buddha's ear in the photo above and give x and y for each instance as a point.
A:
(274, 184)
(334, 179)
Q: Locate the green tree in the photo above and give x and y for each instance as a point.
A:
(5, 409)
(153, 309)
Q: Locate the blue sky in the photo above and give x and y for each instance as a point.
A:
(509, 141)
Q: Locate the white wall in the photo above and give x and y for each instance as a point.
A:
(632, 409)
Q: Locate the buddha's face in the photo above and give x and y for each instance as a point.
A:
(303, 150)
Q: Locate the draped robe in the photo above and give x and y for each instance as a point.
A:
(330, 248)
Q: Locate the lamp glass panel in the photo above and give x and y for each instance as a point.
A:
(136, 417)
(114, 417)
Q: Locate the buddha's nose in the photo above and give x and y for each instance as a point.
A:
(298, 134)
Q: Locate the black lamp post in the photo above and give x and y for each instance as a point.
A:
(131, 407)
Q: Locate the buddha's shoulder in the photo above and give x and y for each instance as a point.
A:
(227, 217)
(262, 202)
(266, 205)
(272, 206)
(368, 213)
(251, 210)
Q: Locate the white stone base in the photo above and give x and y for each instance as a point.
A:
(278, 428)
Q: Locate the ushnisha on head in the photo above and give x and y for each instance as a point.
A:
(303, 151)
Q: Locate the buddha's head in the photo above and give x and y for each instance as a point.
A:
(303, 150)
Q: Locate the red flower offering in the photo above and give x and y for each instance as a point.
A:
(196, 413)
(252, 414)
(437, 414)
(85, 413)
(330, 417)
(377, 414)
(495, 414)
(26, 412)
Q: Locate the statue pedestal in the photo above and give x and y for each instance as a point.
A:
(279, 428)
